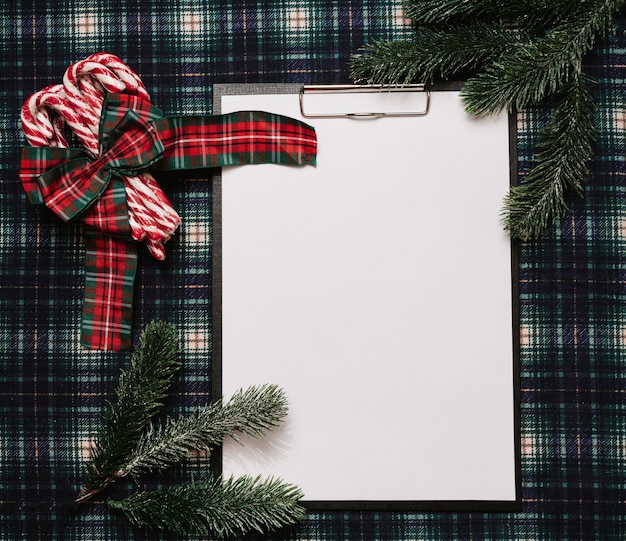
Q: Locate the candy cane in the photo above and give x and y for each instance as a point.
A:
(89, 106)
(36, 135)
(149, 192)
(66, 110)
(134, 84)
(38, 127)
(77, 103)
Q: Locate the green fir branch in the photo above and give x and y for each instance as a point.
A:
(435, 54)
(529, 14)
(562, 165)
(139, 394)
(443, 12)
(538, 70)
(386, 62)
(252, 412)
(129, 443)
(234, 506)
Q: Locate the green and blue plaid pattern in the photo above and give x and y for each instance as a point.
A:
(52, 391)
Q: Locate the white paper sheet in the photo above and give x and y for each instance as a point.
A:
(375, 289)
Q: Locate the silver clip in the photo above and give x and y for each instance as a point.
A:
(351, 89)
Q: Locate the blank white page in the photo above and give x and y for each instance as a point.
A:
(376, 290)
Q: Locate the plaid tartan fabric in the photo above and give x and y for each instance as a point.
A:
(52, 391)
(71, 188)
(110, 267)
(72, 184)
(217, 141)
(36, 160)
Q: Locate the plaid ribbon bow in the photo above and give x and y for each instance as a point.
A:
(134, 137)
(133, 146)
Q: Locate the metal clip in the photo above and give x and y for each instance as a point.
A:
(352, 89)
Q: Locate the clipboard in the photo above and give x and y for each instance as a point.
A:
(379, 290)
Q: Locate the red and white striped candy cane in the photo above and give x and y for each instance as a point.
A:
(89, 106)
(42, 131)
(39, 128)
(78, 104)
(148, 191)
(134, 84)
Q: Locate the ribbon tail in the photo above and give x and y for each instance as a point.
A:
(240, 138)
(110, 268)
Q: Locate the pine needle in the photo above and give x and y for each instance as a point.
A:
(435, 54)
(234, 506)
(527, 13)
(139, 394)
(252, 412)
(561, 166)
(538, 70)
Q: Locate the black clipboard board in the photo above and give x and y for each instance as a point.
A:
(475, 452)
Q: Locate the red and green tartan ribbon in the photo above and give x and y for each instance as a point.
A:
(135, 137)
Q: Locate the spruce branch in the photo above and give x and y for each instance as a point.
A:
(221, 508)
(538, 70)
(528, 14)
(129, 443)
(435, 54)
(441, 12)
(562, 161)
(252, 412)
(387, 62)
(139, 394)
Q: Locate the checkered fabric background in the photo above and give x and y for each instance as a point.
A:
(573, 280)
